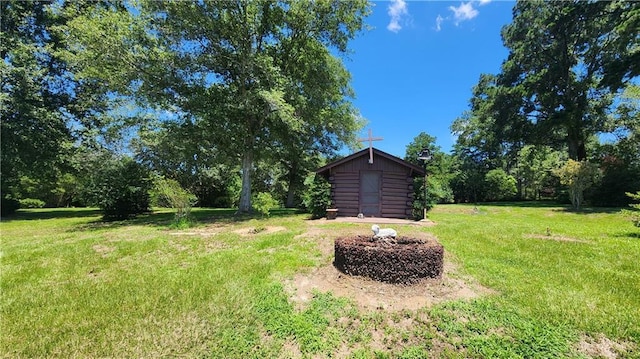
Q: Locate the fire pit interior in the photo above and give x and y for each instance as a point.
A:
(392, 260)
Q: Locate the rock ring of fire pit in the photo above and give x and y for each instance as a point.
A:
(401, 260)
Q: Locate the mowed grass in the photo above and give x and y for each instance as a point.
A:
(565, 267)
(73, 286)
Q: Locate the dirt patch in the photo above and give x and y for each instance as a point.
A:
(207, 231)
(210, 231)
(259, 230)
(290, 350)
(215, 246)
(555, 238)
(602, 347)
(103, 250)
(201, 233)
(371, 294)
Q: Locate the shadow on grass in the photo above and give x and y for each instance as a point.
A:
(52, 213)
(166, 217)
(635, 235)
(590, 210)
(524, 204)
(554, 206)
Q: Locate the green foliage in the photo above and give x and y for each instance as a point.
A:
(577, 176)
(45, 109)
(438, 191)
(535, 169)
(317, 196)
(264, 202)
(278, 76)
(500, 185)
(467, 183)
(8, 206)
(31, 203)
(61, 190)
(120, 188)
(558, 101)
(561, 103)
(170, 192)
(183, 152)
(439, 171)
(618, 177)
(33, 93)
(634, 215)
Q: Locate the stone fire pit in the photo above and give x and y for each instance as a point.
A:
(400, 260)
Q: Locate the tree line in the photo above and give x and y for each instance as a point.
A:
(234, 98)
(227, 98)
(560, 120)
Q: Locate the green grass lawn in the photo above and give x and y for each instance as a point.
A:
(73, 286)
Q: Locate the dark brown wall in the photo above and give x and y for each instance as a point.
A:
(396, 191)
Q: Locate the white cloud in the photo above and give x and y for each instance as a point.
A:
(439, 21)
(396, 11)
(484, 2)
(464, 12)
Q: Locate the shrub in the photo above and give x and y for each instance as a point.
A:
(8, 206)
(317, 196)
(617, 179)
(634, 215)
(263, 203)
(31, 203)
(500, 185)
(170, 192)
(438, 191)
(120, 188)
(577, 176)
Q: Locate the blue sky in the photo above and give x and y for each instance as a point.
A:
(414, 70)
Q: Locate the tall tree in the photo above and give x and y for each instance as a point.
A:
(220, 63)
(44, 109)
(33, 127)
(560, 52)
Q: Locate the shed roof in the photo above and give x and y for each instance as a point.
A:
(415, 170)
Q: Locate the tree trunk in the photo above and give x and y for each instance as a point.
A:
(291, 193)
(291, 197)
(245, 193)
(576, 143)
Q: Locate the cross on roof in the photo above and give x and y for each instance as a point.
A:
(370, 139)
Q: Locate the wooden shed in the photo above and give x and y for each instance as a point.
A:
(371, 182)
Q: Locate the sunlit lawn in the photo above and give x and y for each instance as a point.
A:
(72, 285)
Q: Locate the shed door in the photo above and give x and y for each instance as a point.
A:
(370, 184)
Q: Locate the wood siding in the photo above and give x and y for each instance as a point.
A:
(396, 197)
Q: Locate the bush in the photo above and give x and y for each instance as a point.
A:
(438, 191)
(170, 192)
(9, 206)
(317, 196)
(263, 203)
(500, 185)
(577, 176)
(120, 188)
(31, 203)
(634, 215)
(617, 179)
